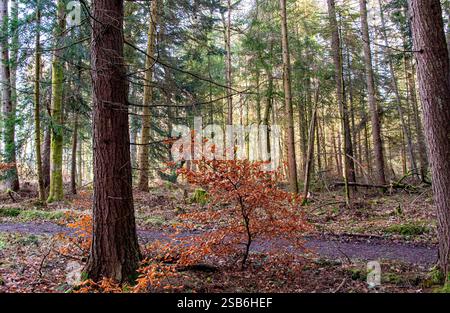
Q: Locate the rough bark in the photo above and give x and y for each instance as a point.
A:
(290, 136)
(148, 97)
(434, 85)
(114, 251)
(373, 106)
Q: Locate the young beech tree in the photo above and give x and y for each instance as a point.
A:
(434, 85)
(114, 251)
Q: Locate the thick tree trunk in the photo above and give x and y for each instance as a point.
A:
(375, 119)
(115, 250)
(46, 147)
(56, 192)
(11, 177)
(148, 97)
(37, 106)
(434, 85)
(290, 135)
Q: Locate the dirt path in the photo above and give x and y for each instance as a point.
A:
(334, 247)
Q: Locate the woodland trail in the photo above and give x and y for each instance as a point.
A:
(334, 247)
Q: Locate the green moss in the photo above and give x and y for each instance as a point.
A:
(443, 289)
(200, 196)
(392, 278)
(28, 240)
(409, 229)
(358, 274)
(9, 212)
(436, 276)
(3, 242)
(56, 192)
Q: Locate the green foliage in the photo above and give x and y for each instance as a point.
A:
(435, 277)
(30, 215)
(408, 229)
(9, 212)
(3, 242)
(358, 274)
(200, 196)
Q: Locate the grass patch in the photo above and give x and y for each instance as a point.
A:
(408, 229)
(154, 221)
(30, 215)
(9, 212)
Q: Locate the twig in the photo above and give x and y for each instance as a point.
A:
(341, 285)
(41, 265)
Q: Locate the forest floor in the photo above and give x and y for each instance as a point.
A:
(396, 229)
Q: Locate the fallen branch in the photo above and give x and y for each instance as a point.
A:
(391, 186)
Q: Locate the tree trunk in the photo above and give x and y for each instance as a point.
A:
(228, 66)
(73, 163)
(56, 192)
(46, 157)
(375, 119)
(421, 146)
(310, 158)
(37, 106)
(80, 162)
(11, 177)
(148, 97)
(290, 135)
(115, 250)
(337, 58)
(405, 128)
(434, 85)
(268, 108)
